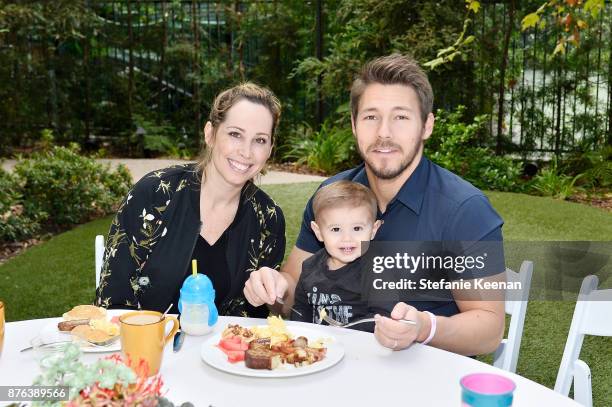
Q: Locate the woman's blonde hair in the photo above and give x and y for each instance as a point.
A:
(226, 100)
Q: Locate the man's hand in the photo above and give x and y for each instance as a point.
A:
(263, 286)
(398, 335)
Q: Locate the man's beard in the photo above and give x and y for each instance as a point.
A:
(389, 173)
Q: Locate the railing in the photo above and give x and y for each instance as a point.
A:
(158, 54)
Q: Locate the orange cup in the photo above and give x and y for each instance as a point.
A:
(143, 339)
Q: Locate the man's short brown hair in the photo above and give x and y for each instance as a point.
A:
(394, 69)
(344, 193)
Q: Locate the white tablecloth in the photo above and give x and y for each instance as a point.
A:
(369, 375)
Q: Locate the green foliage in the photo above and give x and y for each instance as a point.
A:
(551, 182)
(359, 30)
(70, 188)
(461, 45)
(159, 139)
(594, 165)
(14, 224)
(454, 145)
(329, 150)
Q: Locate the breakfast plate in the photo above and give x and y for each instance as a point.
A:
(50, 334)
(213, 356)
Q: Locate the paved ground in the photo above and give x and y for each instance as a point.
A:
(140, 167)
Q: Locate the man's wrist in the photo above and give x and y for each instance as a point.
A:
(425, 326)
(432, 327)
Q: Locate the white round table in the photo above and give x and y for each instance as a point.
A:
(368, 375)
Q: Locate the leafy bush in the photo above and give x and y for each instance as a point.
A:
(551, 182)
(157, 140)
(595, 165)
(454, 145)
(329, 150)
(68, 187)
(14, 224)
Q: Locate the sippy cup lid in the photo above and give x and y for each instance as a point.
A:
(197, 289)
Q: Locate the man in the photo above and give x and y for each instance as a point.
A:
(391, 116)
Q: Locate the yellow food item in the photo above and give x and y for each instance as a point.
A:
(89, 334)
(276, 330)
(106, 326)
(85, 312)
(320, 343)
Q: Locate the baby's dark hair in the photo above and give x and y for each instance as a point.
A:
(344, 193)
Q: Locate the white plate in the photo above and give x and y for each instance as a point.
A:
(217, 359)
(50, 333)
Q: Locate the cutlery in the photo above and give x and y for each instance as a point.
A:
(282, 302)
(102, 344)
(177, 344)
(165, 312)
(333, 322)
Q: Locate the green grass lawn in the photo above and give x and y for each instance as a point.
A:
(50, 278)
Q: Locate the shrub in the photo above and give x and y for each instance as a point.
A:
(454, 145)
(551, 182)
(595, 165)
(68, 187)
(329, 150)
(14, 224)
(159, 139)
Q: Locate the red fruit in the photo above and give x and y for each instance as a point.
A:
(235, 356)
(233, 344)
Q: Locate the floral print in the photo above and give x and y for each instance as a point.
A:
(149, 215)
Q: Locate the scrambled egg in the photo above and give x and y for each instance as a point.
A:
(320, 343)
(105, 326)
(276, 330)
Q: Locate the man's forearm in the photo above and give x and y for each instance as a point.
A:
(473, 332)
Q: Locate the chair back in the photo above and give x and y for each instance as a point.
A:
(591, 317)
(506, 355)
(99, 253)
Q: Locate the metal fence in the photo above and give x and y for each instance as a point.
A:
(551, 104)
(157, 56)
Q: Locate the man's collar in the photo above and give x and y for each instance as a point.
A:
(412, 192)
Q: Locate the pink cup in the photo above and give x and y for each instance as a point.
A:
(486, 390)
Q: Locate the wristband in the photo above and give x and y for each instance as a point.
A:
(432, 330)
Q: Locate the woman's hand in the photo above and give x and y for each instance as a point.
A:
(397, 335)
(264, 286)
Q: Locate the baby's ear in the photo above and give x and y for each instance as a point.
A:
(375, 227)
(316, 230)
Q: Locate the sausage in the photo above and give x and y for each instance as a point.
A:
(66, 326)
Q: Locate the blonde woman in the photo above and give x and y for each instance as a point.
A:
(210, 211)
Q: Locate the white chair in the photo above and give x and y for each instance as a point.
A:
(591, 317)
(506, 355)
(99, 251)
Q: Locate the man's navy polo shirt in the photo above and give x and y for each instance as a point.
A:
(433, 205)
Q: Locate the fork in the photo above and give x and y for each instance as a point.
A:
(333, 322)
(282, 302)
(102, 344)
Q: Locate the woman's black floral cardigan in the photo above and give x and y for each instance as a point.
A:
(151, 241)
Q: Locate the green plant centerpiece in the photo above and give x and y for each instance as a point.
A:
(108, 382)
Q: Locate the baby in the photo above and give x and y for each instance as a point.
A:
(330, 282)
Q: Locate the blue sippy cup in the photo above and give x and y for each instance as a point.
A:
(197, 304)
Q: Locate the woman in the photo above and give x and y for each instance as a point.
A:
(210, 211)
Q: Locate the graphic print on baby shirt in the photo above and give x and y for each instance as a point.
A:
(332, 303)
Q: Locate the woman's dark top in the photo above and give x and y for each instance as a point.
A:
(212, 263)
(152, 239)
